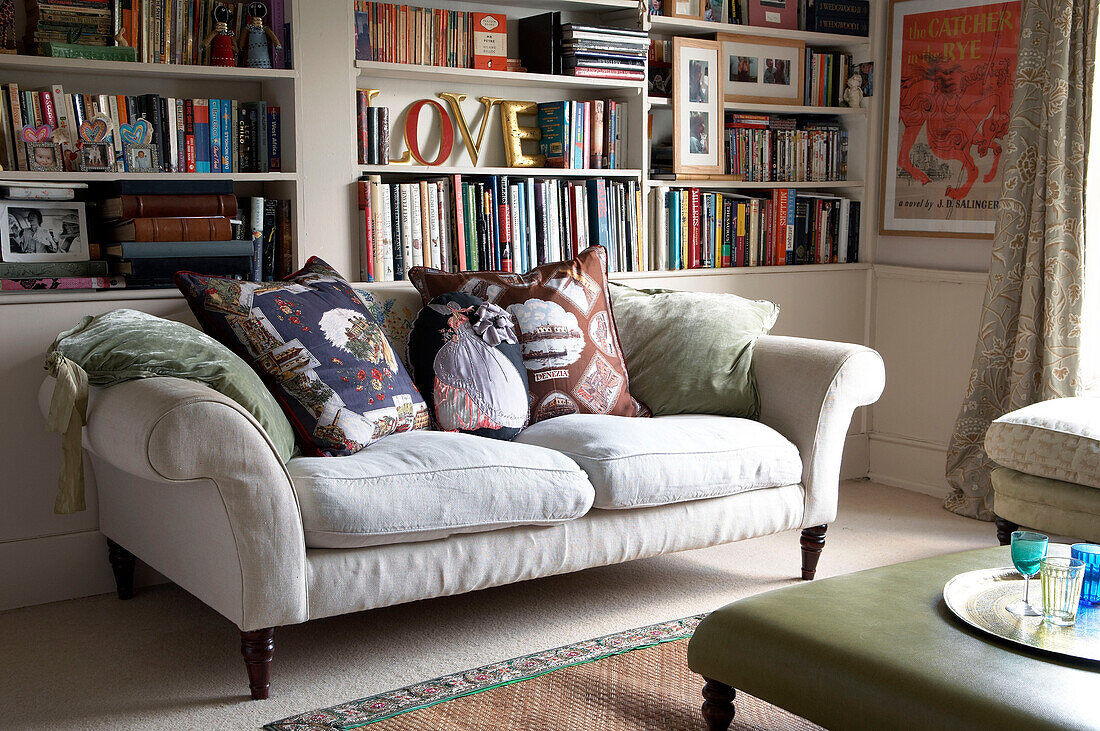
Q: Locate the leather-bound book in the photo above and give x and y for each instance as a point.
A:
(151, 206)
(213, 228)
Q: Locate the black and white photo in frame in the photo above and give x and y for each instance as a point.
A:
(44, 231)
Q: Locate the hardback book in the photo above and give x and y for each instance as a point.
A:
(45, 269)
(69, 283)
(208, 228)
(151, 206)
(165, 268)
(539, 39)
(177, 249)
(773, 13)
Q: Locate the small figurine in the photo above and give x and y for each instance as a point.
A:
(221, 46)
(853, 95)
(257, 48)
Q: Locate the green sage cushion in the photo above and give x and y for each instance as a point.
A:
(691, 352)
(123, 345)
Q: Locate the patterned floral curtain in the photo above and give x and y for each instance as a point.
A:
(1030, 334)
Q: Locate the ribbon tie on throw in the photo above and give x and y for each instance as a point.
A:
(493, 324)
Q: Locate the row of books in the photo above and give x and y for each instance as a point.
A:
(847, 17)
(191, 135)
(482, 223)
(827, 75)
(373, 125)
(582, 134)
(396, 33)
(603, 52)
(695, 228)
(765, 148)
(172, 31)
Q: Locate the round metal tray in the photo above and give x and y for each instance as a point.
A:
(979, 598)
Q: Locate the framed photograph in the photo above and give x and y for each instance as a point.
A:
(698, 109)
(44, 231)
(714, 11)
(946, 115)
(685, 8)
(44, 157)
(762, 70)
(142, 159)
(97, 157)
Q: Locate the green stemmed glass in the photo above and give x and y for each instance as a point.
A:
(1028, 550)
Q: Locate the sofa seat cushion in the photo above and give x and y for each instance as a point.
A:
(669, 459)
(1058, 439)
(421, 485)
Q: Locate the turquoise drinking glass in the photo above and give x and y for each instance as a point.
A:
(1028, 550)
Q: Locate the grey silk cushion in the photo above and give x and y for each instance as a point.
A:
(422, 485)
(669, 459)
(1058, 439)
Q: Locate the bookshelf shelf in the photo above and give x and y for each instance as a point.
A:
(379, 69)
(24, 176)
(662, 102)
(421, 171)
(690, 27)
(68, 67)
(753, 185)
(43, 296)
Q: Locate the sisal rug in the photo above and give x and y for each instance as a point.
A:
(637, 679)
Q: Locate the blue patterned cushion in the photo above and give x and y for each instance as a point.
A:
(319, 351)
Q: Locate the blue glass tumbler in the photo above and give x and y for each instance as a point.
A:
(1090, 554)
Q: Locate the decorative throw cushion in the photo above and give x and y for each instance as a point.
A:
(691, 352)
(394, 314)
(318, 350)
(465, 358)
(566, 332)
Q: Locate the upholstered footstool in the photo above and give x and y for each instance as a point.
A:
(879, 649)
(1049, 473)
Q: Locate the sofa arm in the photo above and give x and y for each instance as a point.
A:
(168, 431)
(809, 390)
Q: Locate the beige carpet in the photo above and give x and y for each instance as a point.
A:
(164, 660)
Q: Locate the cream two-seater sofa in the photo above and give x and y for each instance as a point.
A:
(189, 483)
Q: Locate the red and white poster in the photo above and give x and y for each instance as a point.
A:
(952, 68)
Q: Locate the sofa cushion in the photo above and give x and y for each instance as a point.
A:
(420, 485)
(1058, 439)
(318, 350)
(667, 459)
(567, 333)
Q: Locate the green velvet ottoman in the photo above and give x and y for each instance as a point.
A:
(879, 649)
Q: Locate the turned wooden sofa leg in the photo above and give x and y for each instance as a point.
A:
(1004, 530)
(122, 563)
(258, 647)
(813, 540)
(718, 707)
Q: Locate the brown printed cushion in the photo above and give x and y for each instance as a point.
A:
(567, 334)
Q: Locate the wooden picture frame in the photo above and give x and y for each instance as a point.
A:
(43, 231)
(698, 107)
(936, 184)
(764, 61)
(683, 9)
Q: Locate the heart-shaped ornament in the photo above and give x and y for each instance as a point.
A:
(36, 134)
(93, 130)
(138, 133)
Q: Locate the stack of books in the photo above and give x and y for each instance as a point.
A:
(87, 22)
(497, 222)
(191, 135)
(773, 148)
(149, 230)
(604, 52)
(582, 134)
(697, 228)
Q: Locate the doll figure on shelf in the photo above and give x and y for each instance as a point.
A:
(853, 95)
(259, 40)
(221, 46)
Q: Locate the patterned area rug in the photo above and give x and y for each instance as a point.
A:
(637, 679)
